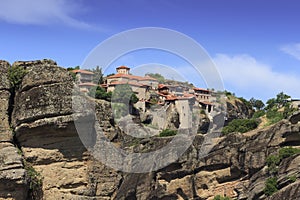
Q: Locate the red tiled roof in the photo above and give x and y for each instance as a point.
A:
(161, 86)
(81, 71)
(168, 96)
(123, 67)
(188, 95)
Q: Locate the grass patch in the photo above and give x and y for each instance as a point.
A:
(219, 197)
(271, 186)
(167, 133)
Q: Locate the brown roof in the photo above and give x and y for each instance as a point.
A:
(81, 71)
(123, 67)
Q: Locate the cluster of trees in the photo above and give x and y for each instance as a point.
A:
(159, 77)
(240, 125)
(275, 110)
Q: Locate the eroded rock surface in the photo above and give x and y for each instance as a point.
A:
(13, 183)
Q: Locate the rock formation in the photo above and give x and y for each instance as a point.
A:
(54, 163)
(13, 183)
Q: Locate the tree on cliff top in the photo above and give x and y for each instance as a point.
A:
(159, 77)
(15, 75)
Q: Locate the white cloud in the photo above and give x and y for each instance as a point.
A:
(43, 12)
(248, 77)
(292, 49)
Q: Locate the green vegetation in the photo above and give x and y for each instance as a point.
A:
(98, 75)
(167, 132)
(292, 178)
(227, 93)
(202, 112)
(219, 197)
(120, 110)
(124, 94)
(247, 103)
(158, 76)
(35, 178)
(277, 108)
(288, 152)
(98, 92)
(70, 69)
(274, 116)
(122, 100)
(273, 161)
(35, 181)
(257, 104)
(16, 75)
(240, 125)
(258, 114)
(271, 186)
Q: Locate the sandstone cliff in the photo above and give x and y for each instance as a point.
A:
(53, 157)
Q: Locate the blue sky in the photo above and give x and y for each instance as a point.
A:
(254, 44)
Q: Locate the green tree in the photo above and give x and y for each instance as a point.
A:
(15, 75)
(124, 94)
(70, 69)
(271, 103)
(100, 93)
(73, 68)
(98, 75)
(281, 99)
(247, 103)
(159, 77)
(256, 103)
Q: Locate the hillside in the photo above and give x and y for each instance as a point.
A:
(43, 157)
